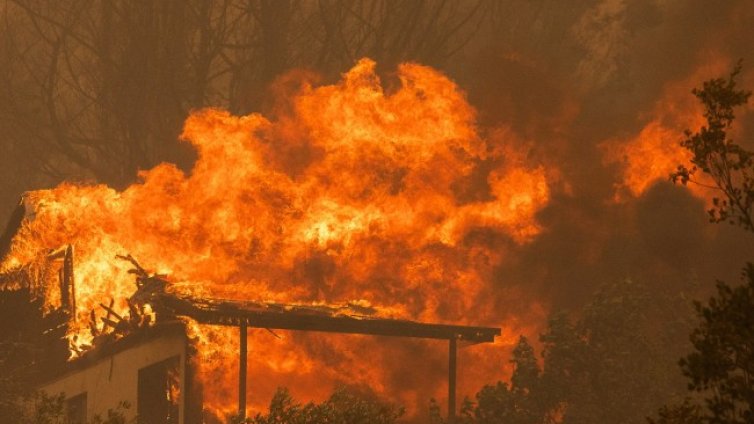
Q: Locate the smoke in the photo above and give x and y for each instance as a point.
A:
(558, 82)
(602, 73)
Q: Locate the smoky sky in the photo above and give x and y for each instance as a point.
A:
(584, 72)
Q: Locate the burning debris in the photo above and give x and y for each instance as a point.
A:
(139, 310)
(29, 277)
(152, 303)
(151, 300)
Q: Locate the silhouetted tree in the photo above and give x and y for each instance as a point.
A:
(722, 363)
(687, 412)
(99, 89)
(517, 403)
(343, 407)
(612, 365)
(720, 369)
(41, 408)
(728, 164)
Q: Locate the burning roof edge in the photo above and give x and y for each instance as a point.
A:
(286, 317)
(279, 316)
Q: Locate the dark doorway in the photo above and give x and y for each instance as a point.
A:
(159, 392)
(76, 409)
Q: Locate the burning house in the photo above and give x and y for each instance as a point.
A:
(359, 213)
(221, 199)
(144, 357)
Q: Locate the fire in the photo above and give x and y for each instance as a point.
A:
(648, 158)
(655, 152)
(350, 193)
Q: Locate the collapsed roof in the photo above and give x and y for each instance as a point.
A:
(349, 318)
(153, 290)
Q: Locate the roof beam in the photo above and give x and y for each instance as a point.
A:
(231, 313)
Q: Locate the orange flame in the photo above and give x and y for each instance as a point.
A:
(655, 152)
(350, 196)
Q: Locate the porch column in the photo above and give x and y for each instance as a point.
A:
(452, 381)
(242, 372)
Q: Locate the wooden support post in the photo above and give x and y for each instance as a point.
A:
(452, 381)
(242, 372)
(70, 282)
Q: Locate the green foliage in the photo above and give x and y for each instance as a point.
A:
(12, 391)
(687, 412)
(435, 416)
(343, 407)
(720, 368)
(47, 410)
(40, 408)
(617, 362)
(722, 363)
(612, 365)
(114, 416)
(730, 166)
(517, 403)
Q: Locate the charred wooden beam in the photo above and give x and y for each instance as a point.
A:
(69, 282)
(65, 279)
(93, 328)
(235, 313)
(111, 323)
(110, 310)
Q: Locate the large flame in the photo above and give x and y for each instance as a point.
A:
(347, 194)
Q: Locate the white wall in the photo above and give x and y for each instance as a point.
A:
(115, 378)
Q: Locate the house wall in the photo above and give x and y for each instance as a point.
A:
(114, 378)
